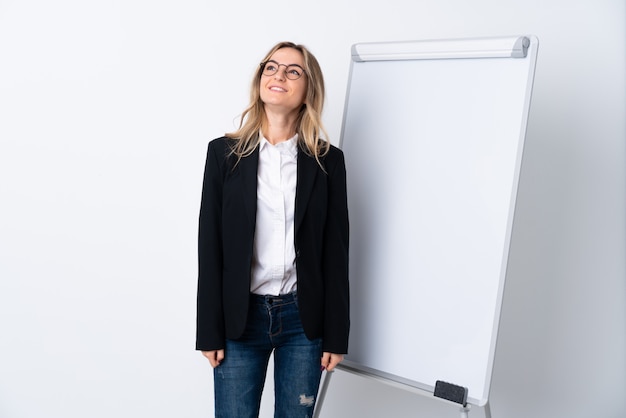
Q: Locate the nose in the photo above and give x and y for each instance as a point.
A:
(280, 74)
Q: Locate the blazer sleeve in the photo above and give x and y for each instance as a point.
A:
(335, 261)
(210, 334)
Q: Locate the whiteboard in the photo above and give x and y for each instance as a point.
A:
(433, 134)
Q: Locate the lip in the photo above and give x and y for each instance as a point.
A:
(278, 89)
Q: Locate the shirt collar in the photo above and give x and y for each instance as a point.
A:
(289, 146)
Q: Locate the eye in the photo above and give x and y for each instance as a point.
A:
(270, 66)
(296, 71)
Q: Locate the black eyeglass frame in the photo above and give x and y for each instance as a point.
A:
(287, 73)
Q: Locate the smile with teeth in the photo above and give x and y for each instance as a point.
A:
(276, 88)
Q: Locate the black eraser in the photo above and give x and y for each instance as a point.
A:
(451, 392)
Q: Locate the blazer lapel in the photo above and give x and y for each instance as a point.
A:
(307, 172)
(249, 166)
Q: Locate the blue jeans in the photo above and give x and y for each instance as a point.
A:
(273, 326)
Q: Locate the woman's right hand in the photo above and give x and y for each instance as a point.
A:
(215, 357)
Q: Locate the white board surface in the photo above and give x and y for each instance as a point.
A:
(433, 135)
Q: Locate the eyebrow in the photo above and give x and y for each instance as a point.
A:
(286, 65)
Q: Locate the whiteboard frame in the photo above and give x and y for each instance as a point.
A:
(513, 47)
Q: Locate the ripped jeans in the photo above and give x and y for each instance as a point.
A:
(273, 326)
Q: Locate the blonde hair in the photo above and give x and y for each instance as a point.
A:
(309, 125)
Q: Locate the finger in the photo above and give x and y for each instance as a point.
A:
(335, 359)
(214, 357)
(325, 360)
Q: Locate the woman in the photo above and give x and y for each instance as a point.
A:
(273, 245)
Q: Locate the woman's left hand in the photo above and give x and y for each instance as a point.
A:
(330, 360)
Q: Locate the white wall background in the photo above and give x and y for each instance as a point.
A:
(105, 111)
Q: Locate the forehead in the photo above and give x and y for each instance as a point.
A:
(288, 56)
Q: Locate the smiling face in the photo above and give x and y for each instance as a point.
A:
(279, 93)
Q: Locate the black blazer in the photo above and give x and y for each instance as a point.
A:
(226, 237)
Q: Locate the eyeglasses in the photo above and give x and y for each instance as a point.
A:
(292, 71)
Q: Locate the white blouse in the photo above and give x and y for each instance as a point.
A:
(273, 263)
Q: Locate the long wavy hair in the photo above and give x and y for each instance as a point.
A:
(312, 136)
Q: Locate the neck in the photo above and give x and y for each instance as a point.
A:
(279, 127)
